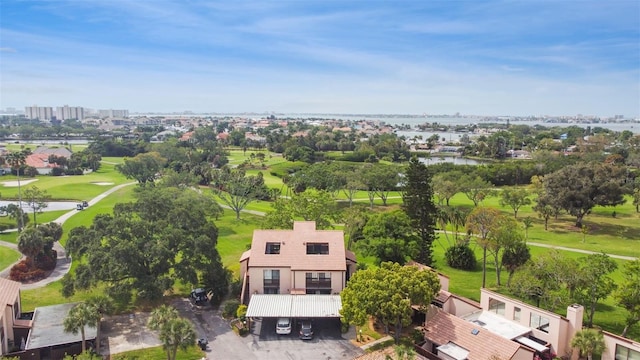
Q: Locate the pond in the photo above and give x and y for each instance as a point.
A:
(456, 160)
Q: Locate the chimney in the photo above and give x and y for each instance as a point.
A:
(575, 314)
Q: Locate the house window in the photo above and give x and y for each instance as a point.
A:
(623, 353)
(272, 248)
(271, 281)
(317, 248)
(496, 306)
(539, 322)
(516, 313)
(316, 281)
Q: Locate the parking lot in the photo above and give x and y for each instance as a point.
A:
(264, 343)
(327, 342)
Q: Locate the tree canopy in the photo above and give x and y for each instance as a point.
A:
(144, 168)
(237, 190)
(579, 188)
(387, 293)
(145, 246)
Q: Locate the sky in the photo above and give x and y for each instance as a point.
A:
(516, 58)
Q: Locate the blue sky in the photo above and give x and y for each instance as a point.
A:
(411, 57)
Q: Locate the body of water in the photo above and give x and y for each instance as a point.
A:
(452, 121)
(456, 160)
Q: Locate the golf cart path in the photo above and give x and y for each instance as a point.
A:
(63, 263)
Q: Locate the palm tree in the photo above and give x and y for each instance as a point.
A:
(79, 316)
(161, 316)
(177, 333)
(103, 305)
(589, 342)
(17, 160)
(30, 243)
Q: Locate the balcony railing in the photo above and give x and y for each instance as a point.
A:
(318, 283)
(271, 282)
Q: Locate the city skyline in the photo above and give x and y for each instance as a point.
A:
(482, 58)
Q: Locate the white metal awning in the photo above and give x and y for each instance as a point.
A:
(296, 306)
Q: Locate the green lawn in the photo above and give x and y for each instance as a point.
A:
(8, 257)
(157, 353)
(104, 206)
(76, 188)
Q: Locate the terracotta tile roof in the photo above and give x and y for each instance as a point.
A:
(444, 328)
(293, 250)
(187, 136)
(39, 161)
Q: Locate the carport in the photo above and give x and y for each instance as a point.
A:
(294, 306)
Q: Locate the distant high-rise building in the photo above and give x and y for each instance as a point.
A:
(38, 112)
(69, 112)
(113, 113)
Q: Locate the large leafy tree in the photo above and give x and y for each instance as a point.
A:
(310, 205)
(380, 180)
(417, 203)
(579, 188)
(589, 342)
(144, 168)
(475, 188)
(628, 294)
(597, 284)
(480, 222)
(389, 236)
(387, 293)
(165, 235)
(505, 235)
(237, 190)
(515, 199)
(445, 185)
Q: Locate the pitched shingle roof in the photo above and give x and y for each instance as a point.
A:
(444, 328)
(293, 249)
(9, 292)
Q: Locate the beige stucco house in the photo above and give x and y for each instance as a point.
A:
(296, 262)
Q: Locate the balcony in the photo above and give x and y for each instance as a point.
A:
(318, 284)
(271, 282)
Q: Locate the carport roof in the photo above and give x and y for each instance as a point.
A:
(297, 306)
(48, 328)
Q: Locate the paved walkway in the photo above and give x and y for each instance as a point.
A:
(63, 263)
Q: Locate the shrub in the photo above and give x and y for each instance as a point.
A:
(241, 312)
(57, 171)
(230, 308)
(460, 256)
(22, 272)
(235, 288)
(30, 171)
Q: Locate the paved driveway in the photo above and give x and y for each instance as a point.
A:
(264, 343)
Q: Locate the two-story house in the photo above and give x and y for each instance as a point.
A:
(13, 330)
(299, 261)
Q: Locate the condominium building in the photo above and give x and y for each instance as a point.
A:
(111, 113)
(69, 112)
(38, 112)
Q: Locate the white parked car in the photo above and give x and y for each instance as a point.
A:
(283, 326)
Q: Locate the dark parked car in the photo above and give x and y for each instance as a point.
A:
(199, 296)
(306, 330)
(85, 204)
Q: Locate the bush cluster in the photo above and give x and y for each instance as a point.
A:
(22, 272)
(460, 256)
